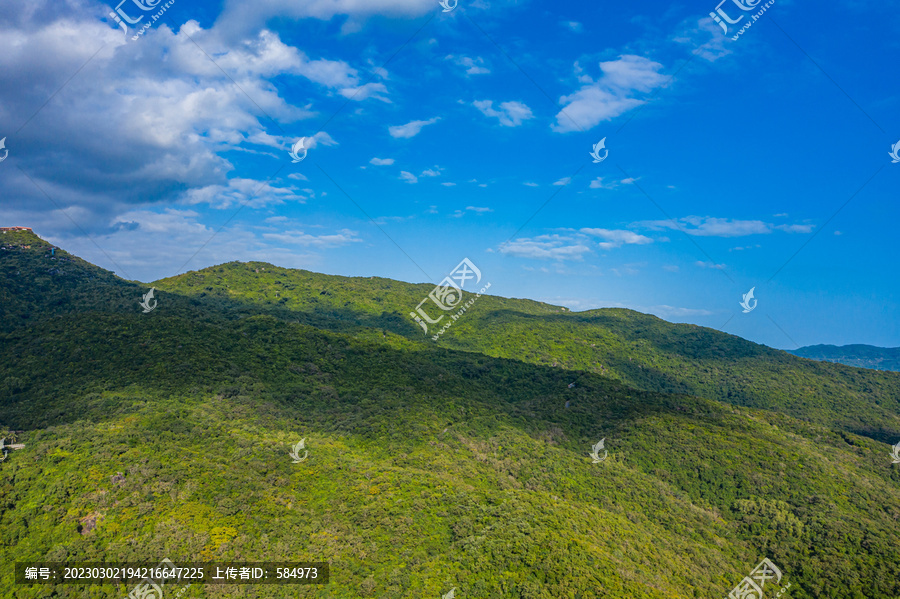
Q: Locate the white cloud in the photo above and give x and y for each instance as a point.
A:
(796, 228)
(546, 247)
(702, 264)
(476, 209)
(598, 183)
(364, 92)
(704, 37)
(239, 18)
(382, 161)
(248, 192)
(511, 114)
(613, 238)
(530, 184)
(411, 129)
(432, 172)
(573, 26)
(448, 184)
(723, 227)
(563, 181)
(343, 237)
(473, 66)
(611, 95)
(408, 177)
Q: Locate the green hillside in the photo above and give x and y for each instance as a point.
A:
(638, 350)
(167, 435)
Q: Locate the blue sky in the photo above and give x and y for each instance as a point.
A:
(434, 136)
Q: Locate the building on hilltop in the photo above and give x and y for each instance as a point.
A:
(5, 229)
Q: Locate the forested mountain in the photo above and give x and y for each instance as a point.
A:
(459, 463)
(862, 356)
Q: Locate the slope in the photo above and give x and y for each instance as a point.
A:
(429, 468)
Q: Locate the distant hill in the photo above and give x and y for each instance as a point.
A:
(862, 356)
(462, 463)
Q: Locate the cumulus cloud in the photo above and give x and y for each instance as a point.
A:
(511, 114)
(148, 122)
(408, 177)
(382, 161)
(616, 91)
(411, 129)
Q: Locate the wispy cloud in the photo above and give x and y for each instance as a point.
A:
(473, 66)
(707, 226)
(600, 183)
(382, 161)
(411, 129)
(611, 95)
(546, 247)
(703, 264)
(343, 237)
(511, 114)
(408, 177)
(614, 238)
(476, 209)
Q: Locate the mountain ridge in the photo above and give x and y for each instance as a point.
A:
(855, 354)
(432, 465)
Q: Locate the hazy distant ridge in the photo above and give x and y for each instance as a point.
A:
(863, 356)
